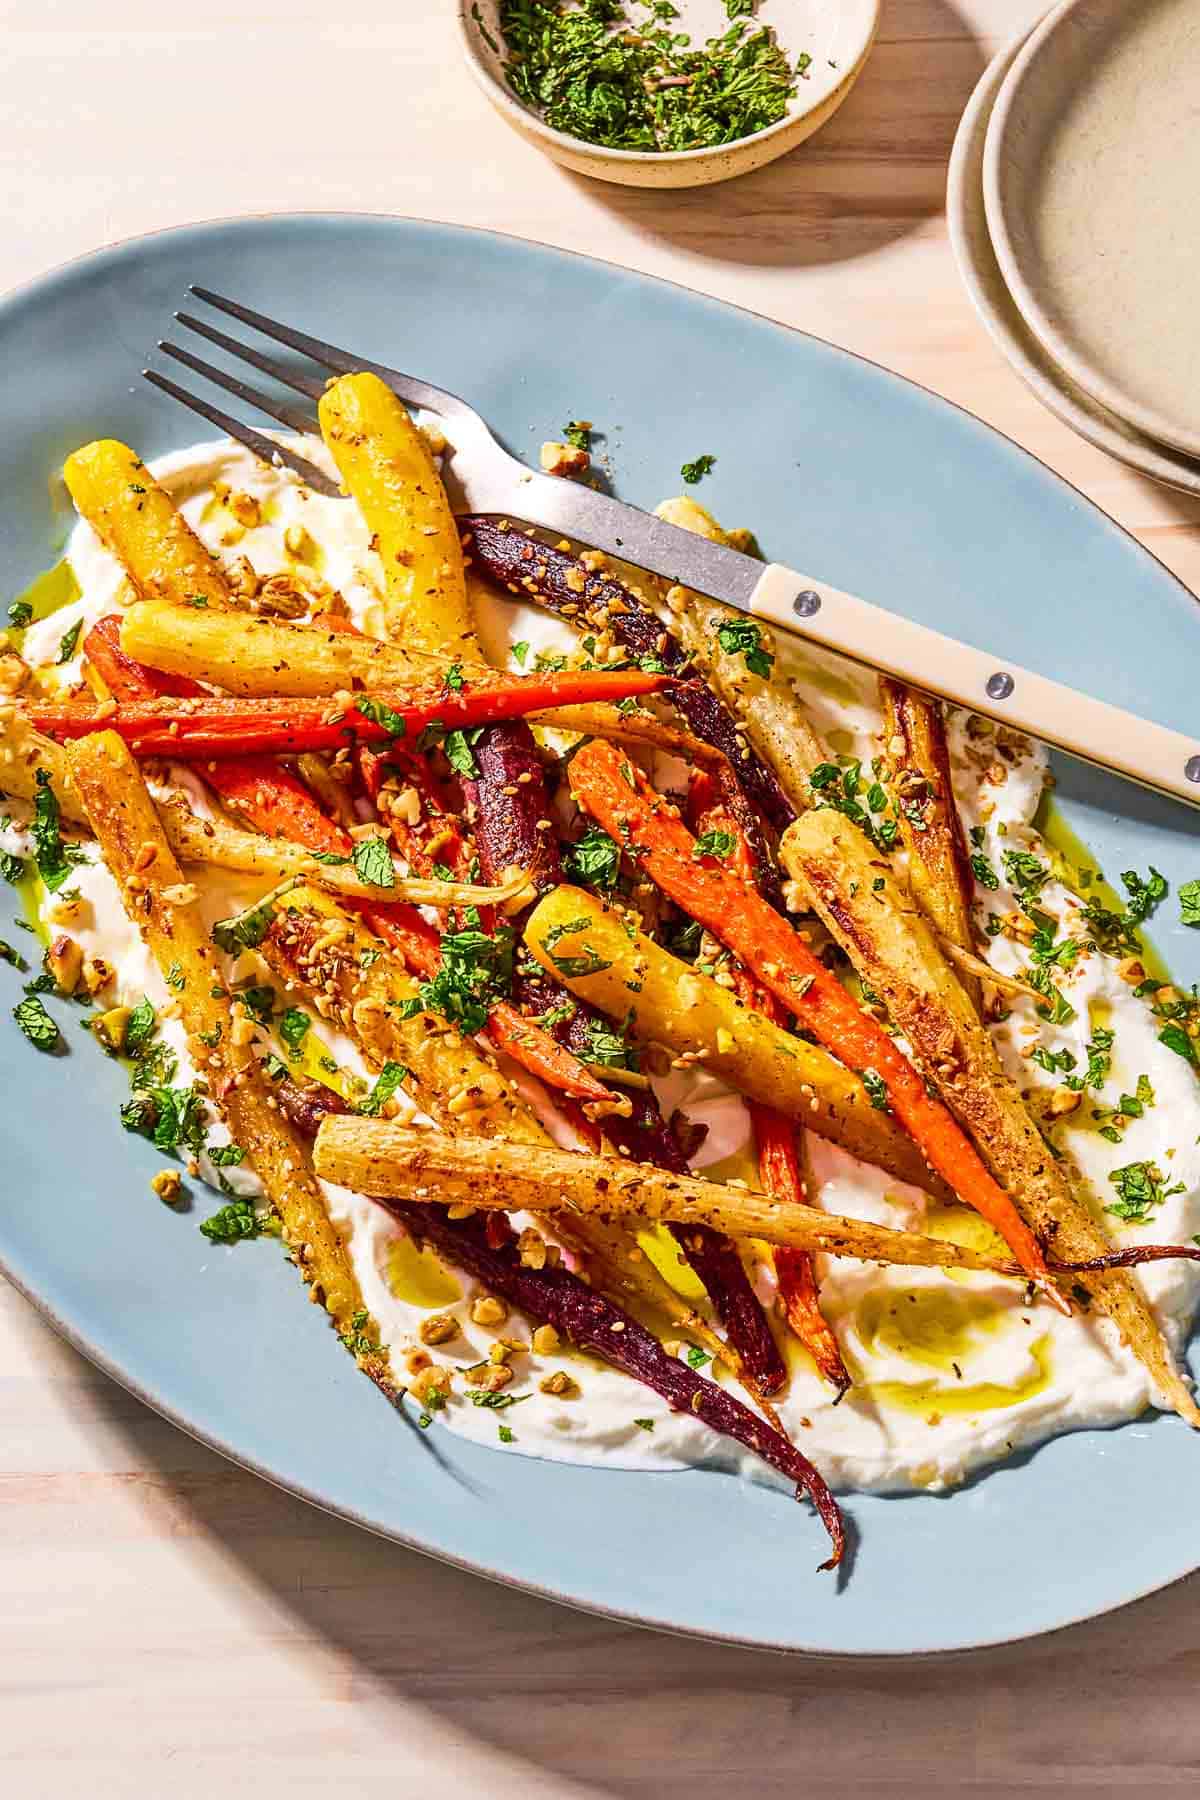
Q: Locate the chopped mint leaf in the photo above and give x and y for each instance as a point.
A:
(373, 862)
(392, 1076)
(703, 465)
(67, 643)
(594, 860)
(719, 844)
(235, 1221)
(379, 713)
(744, 638)
(876, 1088)
(458, 752)
(37, 1024)
(140, 1027)
(294, 1027)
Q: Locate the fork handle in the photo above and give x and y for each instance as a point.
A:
(1102, 734)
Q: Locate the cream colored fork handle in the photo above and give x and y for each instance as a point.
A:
(1092, 729)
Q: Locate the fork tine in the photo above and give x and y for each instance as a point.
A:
(263, 447)
(412, 391)
(291, 416)
(293, 378)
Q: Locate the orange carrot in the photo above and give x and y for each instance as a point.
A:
(620, 799)
(194, 727)
(124, 677)
(783, 1179)
(774, 1133)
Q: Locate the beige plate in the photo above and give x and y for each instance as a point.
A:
(1090, 175)
(837, 34)
(985, 284)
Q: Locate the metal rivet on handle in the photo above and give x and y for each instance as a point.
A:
(1191, 768)
(1000, 685)
(807, 604)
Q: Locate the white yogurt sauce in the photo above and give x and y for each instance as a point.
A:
(952, 1370)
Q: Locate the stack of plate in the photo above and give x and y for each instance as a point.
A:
(1073, 213)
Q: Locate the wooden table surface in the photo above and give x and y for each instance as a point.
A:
(166, 1619)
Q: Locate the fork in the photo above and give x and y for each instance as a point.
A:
(488, 479)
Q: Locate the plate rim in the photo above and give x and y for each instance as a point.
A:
(25, 292)
(1161, 463)
(998, 199)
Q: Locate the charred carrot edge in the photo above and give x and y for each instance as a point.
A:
(190, 728)
(774, 1133)
(620, 799)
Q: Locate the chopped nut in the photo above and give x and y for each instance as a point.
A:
(167, 1185)
(531, 1247)
(431, 1384)
(492, 1377)
(439, 1328)
(1061, 1102)
(13, 673)
(64, 960)
(182, 893)
(564, 459)
(545, 1340)
(298, 543)
(1132, 971)
(97, 974)
(416, 1360)
(487, 1310)
(1017, 925)
(405, 805)
(246, 509)
(110, 1027)
(560, 1383)
(242, 578)
(145, 855)
(280, 596)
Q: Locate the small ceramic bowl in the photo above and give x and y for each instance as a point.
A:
(1089, 181)
(998, 313)
(836, 34)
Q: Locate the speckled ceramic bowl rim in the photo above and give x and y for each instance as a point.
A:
(151, 1394)
(529, 123)
(1043, 47)
(980, 272)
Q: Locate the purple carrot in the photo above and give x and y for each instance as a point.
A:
(509, 807)
(645, 1136)
(559, 581)
(594, 1323)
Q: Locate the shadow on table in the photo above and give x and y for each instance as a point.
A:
(875, 172)
(578, 1706)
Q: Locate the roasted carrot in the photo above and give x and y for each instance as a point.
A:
(263, 792)
(775, 1136)
(620, 799)
(193, 728)
(125, 677)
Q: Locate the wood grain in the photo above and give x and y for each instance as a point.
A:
(166, 1619)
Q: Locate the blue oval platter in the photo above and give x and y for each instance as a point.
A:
(845, 471)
